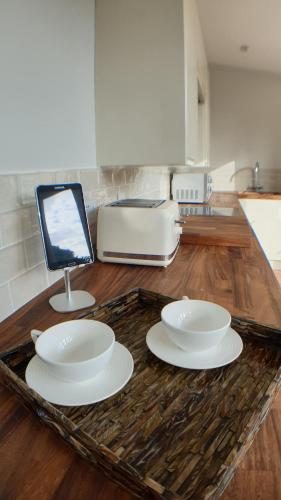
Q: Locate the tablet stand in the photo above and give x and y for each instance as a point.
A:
(71, 301)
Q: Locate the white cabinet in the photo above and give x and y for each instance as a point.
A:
(191, 82)
(196, 89)
(149, 57)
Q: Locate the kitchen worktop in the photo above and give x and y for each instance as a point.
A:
(35, 464)
(227, 226)
(260, 195)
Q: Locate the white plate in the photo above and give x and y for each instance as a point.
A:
(227, 351)
(105, 384)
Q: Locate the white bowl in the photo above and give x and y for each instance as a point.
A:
(75, 351)
(195, 325)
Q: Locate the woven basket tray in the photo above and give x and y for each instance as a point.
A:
(170, 433)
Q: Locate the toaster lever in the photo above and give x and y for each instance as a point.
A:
(180, 221)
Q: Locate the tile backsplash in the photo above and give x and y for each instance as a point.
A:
(23, 273)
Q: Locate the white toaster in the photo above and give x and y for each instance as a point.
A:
(138, 231)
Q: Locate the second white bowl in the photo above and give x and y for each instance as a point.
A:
(76, 350)
(195, 325)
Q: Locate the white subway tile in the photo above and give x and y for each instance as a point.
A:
(67, 176)
(130, 174)
(28, 182)
(90, 184)
(89, 179)
(28, 285)
(164, 187)
(53, 276)
(34, 250)
(134, 190)
(12, 227)
(6, 306)
(12, 262)
(122, 192)
(90, 198)
(139, 175)
(9, 198)
(97, 197)
(119, 177)
(92, 216)
(30, 222)
(111, 195)
(106, 178)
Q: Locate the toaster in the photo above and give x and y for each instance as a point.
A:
(138, 231)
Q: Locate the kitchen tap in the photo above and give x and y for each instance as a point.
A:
(255, 176)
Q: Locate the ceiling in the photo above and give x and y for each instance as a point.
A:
(228, 24)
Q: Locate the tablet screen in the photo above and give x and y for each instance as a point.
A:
(64, 225)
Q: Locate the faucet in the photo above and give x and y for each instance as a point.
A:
(255, 176)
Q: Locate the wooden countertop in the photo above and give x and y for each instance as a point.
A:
(35, 464)
(252, 195)
(218, 230)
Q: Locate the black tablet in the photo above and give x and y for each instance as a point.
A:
(64, 225)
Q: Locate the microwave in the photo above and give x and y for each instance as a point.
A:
(191, 187)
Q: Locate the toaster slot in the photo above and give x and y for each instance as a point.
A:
(137, 203)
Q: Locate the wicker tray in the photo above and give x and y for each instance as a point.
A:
(170, 433)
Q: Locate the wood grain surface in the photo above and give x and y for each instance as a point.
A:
(239, 279)
(278, 275)
(216, 230)
(260, 196)
(229, 231)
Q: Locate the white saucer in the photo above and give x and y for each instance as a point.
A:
(107, 383)
(227, 351)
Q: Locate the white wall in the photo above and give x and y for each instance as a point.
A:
(47, 85)
(245, 126)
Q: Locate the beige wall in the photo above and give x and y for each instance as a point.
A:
(245, 126)
(23, 273)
